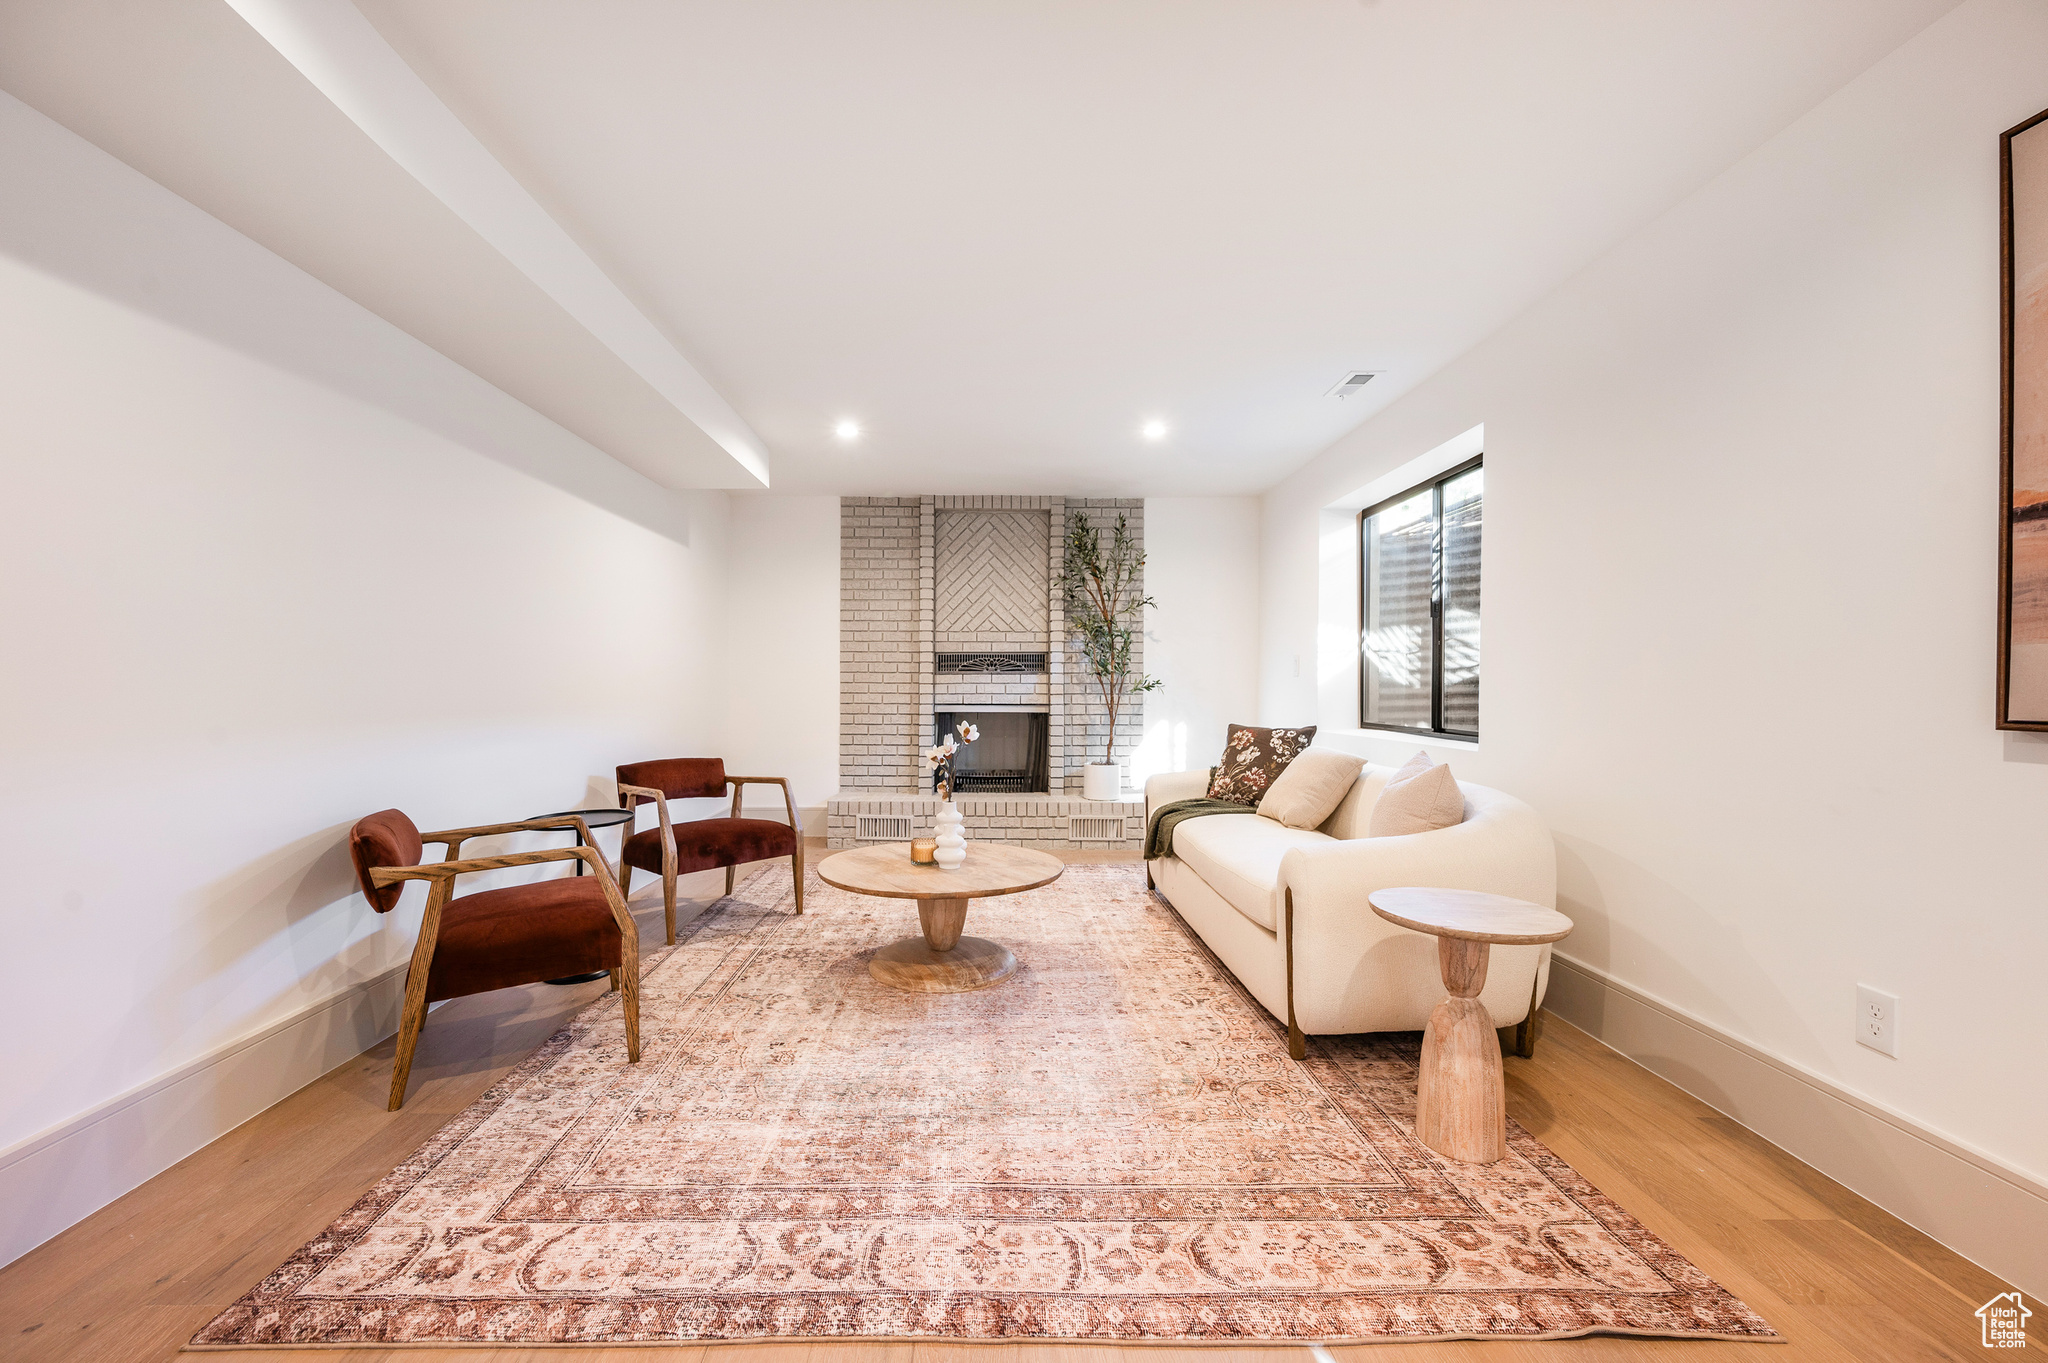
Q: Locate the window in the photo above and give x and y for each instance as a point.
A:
(1419, 607)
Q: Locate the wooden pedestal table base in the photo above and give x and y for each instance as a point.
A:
(1460, 1101)
(941, 961)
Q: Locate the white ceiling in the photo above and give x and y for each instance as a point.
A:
(1001, 235)
(187, 93)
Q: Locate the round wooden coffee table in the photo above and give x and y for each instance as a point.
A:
(1460, 1101)
(941, 961)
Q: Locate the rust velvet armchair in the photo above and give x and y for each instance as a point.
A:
(671, 849)
(495, 939)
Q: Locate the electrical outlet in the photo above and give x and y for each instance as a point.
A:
(1877, 1019)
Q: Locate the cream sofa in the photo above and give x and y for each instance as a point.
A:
(1286, 908)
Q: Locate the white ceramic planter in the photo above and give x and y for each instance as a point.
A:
(1102, 781)
(952, 849)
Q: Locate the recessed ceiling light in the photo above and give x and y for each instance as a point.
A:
(848, 429)
(1153, 430)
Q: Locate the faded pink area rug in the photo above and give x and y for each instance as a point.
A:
(1111, 1145)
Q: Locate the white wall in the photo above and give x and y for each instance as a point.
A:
(1202, 636)
(1739, 587)
(269, 565)
(782, 647)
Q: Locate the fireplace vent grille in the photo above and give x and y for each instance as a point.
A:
(1087, 828)
(988, 662)
(1004, 781)
(881, 827)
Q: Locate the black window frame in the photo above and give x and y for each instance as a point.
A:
(1434, 485)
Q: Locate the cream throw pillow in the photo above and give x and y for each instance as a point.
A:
(1419, 798)
(1311, 787)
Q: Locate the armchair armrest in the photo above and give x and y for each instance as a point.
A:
(453, 838)
(788, 800)
(645, 792)
(668, 832)
(448, 870)
(1169, 786)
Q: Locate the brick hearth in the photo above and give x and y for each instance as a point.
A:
(1029, 821)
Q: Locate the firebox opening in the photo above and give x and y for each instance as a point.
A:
(1012, 755)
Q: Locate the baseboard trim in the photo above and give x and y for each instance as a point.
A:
(1981, 1207)
(58, 1177)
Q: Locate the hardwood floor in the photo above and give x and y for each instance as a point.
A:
(1840, 1279)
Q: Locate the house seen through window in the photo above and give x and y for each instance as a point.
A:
(1419, 625)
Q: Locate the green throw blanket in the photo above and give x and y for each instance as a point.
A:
(1169, 816)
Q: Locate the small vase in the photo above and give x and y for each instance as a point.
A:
(952, 848)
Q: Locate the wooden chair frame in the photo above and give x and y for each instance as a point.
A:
(441, 876)
(668, 842)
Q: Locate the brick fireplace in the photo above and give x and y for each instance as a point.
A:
(950, 609)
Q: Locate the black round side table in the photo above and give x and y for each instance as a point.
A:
(593, 819)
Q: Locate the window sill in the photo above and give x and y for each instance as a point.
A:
(1351, 736)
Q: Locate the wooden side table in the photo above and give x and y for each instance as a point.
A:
(1460, 1101)
(941, 961)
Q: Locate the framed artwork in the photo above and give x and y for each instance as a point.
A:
(2023, 433)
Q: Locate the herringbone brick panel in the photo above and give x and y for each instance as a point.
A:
(992, 575)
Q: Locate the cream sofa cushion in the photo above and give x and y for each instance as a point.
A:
(1353, 814)
(1420, 798)
(1311, 787)
(1239, 857)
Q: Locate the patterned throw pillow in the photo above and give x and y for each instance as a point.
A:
(1252, 758)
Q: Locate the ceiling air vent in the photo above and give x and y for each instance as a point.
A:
(1352, 382)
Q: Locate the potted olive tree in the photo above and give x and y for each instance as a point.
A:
(1105, 612)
